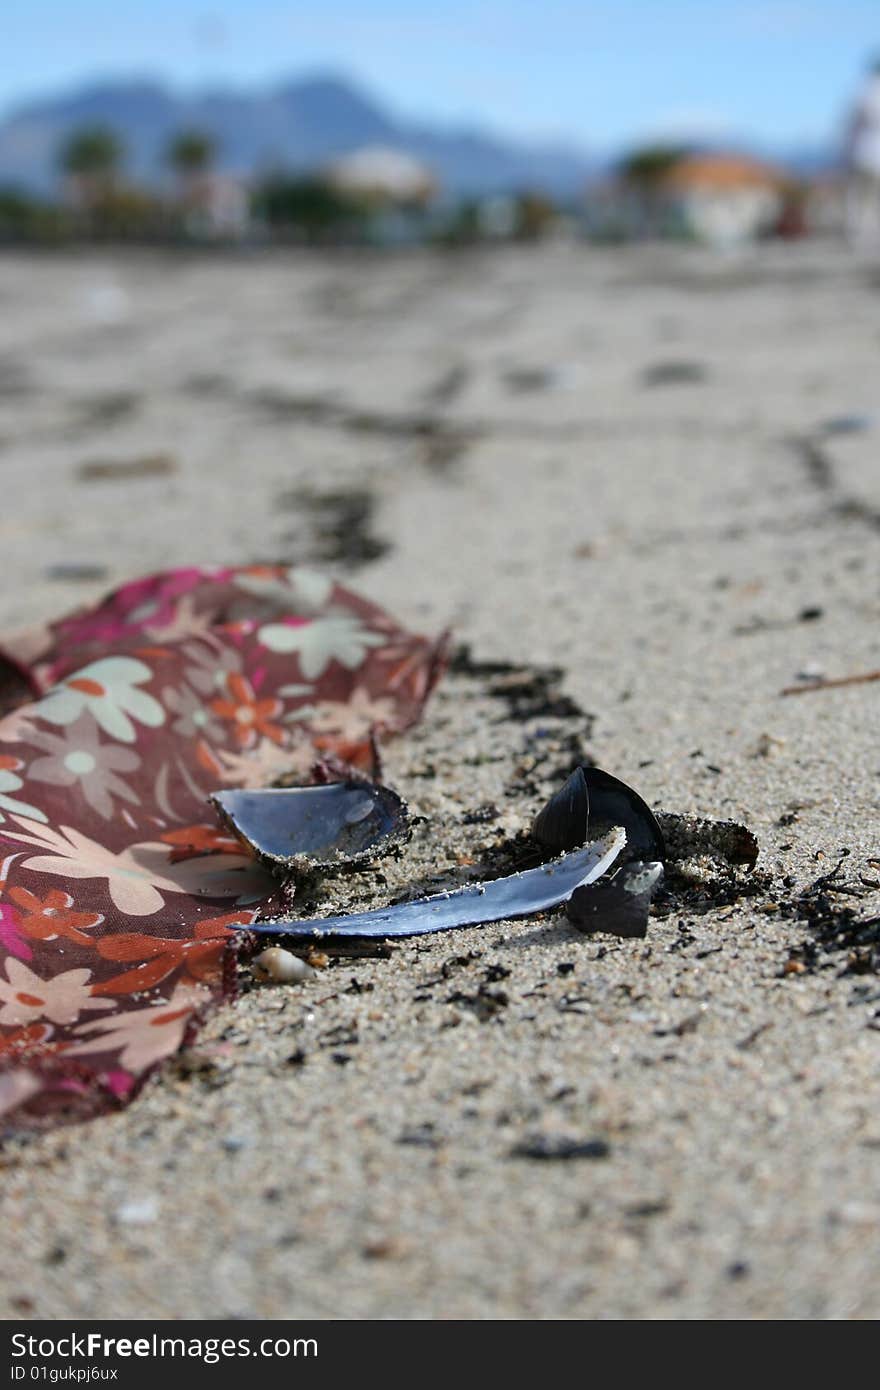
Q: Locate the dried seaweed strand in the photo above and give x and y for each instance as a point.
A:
(823, 684)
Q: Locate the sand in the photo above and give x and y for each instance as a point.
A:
(609, 461)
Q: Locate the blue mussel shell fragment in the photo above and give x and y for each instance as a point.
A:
(302, 829)
(517, 895)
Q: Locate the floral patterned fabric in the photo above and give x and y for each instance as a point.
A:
(119, 891)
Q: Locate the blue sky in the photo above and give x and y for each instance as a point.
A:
(599, 72)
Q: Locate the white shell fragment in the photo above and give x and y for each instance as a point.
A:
(281, 966)
(518, 895)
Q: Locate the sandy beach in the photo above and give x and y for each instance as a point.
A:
(652, 468)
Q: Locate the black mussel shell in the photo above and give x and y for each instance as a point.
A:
(309, 828)
(562, 824)
(588, 804)
(619, 903)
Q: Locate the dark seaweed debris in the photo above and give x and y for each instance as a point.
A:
(439, 442)
(723, 840)
(486, 1003)
(555, 1147)
(709, 864)
(674, 373)
(341, 526)
(76, 572)
(121, 470)
(97, 412)
(835, 928)
(529, 692)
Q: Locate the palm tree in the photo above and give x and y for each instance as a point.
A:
(191, 153)
(649, 165)
(91, 157)
(644, 172)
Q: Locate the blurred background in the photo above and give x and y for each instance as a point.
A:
(390, 123)
(364, 284)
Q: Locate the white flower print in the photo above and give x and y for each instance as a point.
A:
(9, 782)
(139, 875)
(144, 1035)
(78, 755)
(210, 667)
(16, 725)
(192, 719)
(349, 719)
(185, 623)
(26, 997)
(318, 641)
(260, 766)
(107, 689)
(308, 591)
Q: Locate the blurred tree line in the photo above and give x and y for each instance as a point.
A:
(98, 200)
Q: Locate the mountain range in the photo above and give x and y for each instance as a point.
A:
(298, 125)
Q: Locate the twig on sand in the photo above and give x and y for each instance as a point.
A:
(823, 684)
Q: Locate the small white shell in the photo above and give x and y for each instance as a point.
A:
(277, 964)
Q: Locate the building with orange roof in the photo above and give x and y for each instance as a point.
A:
(725, 199)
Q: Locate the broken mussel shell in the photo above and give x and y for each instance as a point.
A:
(619, 903)
(588, 804)
(517, 895)
(594, 817)
(314, 828)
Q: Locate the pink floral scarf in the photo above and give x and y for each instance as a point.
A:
(119, 892)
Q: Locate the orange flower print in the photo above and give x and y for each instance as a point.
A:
(158, 956)
(194, 840)
(28, 1038)
(248, 715)
(52, 916)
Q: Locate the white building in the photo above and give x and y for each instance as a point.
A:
(725, 199)
(379, 173)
